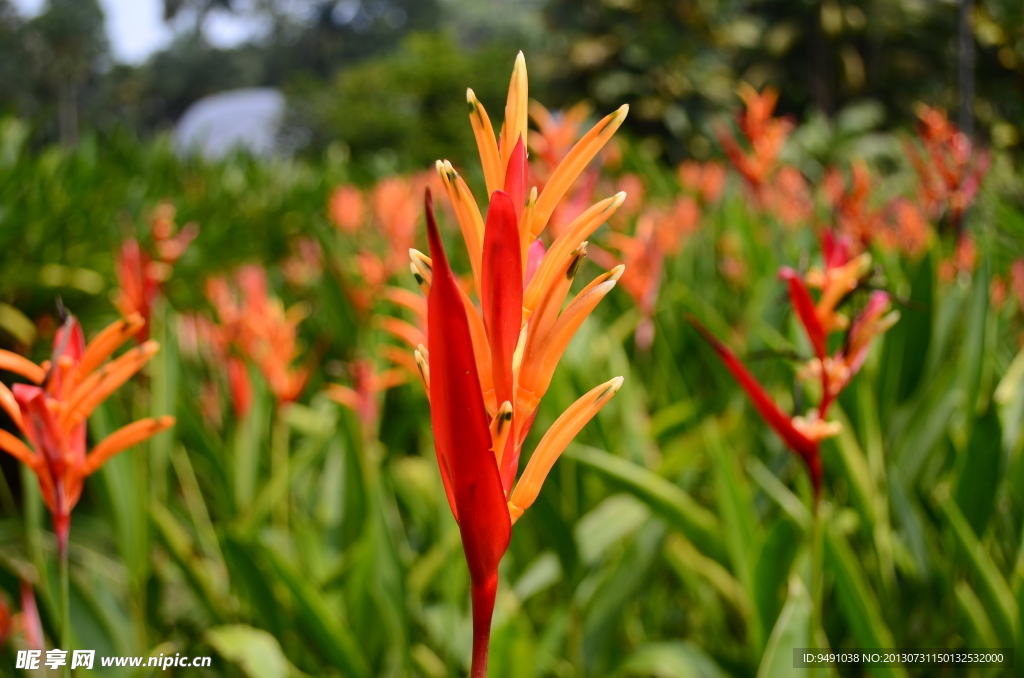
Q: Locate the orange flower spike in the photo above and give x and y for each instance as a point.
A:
(52, 416)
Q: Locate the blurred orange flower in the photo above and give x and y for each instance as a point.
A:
(263, 330)
(346, 208)
(139, 277)
(951, 169)
(52, 410)
(763, 134)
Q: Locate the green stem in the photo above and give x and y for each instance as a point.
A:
(279, 463)
(817, 576)
(64, 574)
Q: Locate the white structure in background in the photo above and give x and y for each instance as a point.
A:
(242, 119)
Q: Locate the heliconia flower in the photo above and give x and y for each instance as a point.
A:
(346, 208)
(486, 369)
(962, 261)
(952, 172)
(854, 216)
(478, 441)
(765, 135)
(263, 330)
(139, 276)
(840, 276)
(819, 320)
(874, 320)
(52, 410)
(305, 265)
(801, 434)
(705, 179)
(908, 228)
(788, 197)
(363, 397)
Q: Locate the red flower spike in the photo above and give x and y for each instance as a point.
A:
(803, 446)
(802, 302)
(462, 441)
(501, 302)
(515, 179)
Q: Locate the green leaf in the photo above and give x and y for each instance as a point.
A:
(197, 571)
(973, 346)
(255, 651)
(734, 502)
(611, 521)
(856, 599)
(327, 630)
(1009, 396)
(980, 472)
(673, 504)
(792, 630)
(772, 564)
(976, 616)
(855, 469)
(992, 589)
(671, 659)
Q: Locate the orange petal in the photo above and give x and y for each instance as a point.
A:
(106, 342)
(485, 143)
(538, 369)
(343, 395)
(573, 164)
(550, 302)
(95, 388)
(410, 300)
(390, 379)
(578, 231)
(402, 330)
(10, 405)
(467, 213)
(398, 356)
(123, 438)
(554, 442)
(515, 111)
(12, 362)
(17, 449)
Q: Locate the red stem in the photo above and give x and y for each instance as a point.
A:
(483, 593)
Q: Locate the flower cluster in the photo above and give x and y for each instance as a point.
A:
(839, 276)
(950, 170)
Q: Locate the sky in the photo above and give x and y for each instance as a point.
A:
(136, 28)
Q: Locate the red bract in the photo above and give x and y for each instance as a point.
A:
(802, 444)
(462, 440)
